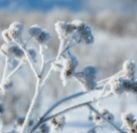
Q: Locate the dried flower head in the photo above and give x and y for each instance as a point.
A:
(15, 30)
(58, 122)
(33, 54)
(69, 65)
(6, 37)
(8, 84)
(87, 77)
(129, 69)
(96, 118)
(63, 28)
(116, 85)
(43, 37)
(128, 119)
(107, 114)
(80, 31)
(11, 50)
(85, 32)
(35, 30)
(135, 125)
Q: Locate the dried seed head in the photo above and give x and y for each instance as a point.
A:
(43, 37)
(84, 32)
(33, 54)
(35, 30)
(11, 50)
(58, 122)
(108, 115)
(81, 31)
(15, 30)
(63, 28)
(116, 85)
(5, 36)
(96, 118)
(135, 125)
(129, 69)
(69, 65)
(87, 77)
(8, 84)
(128, 120)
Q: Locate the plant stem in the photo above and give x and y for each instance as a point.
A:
(104, 118)
(14, 70)
(4, 75)
(36, 93)
(54, 106)
(28, 59)
(41, 52)
(87, 103)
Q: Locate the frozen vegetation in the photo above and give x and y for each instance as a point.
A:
(75, 73)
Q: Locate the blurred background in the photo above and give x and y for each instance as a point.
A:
(114, 25)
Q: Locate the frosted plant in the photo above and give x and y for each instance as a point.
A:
(116, 85)
(69, 65)
(129, 69)
(98, 120)
(71, 34)
(57, 123)
(129, 122)
(87, 77)
(15, 30)
(5, 36)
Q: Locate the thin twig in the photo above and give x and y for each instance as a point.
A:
(4, 74)
(87, 103)
(28, 59)
(14, 70)
(36, 93)
(56, 105)
(41, 52)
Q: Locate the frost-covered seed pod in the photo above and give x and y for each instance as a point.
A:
(32, 54)
(5, 36)
(108, 115)
(12, 50)
(135, 125)
(43, 37)
(8, 84)
(116, 85)
(35, 30)
(86, 34)
(96, 118)
(63, 28)
(16, 51)
(15, 30)
(84, 31)
(128, 120)
(58, 122)
(129, 67)
(69, 65)
(87, 77)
